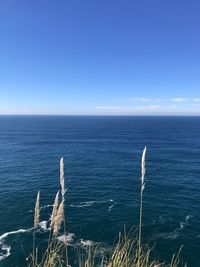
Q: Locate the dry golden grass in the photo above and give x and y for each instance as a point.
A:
(55, 210)
(128, 252)
(143, 170)
(37, 210)
(62, 178)
(58, 218)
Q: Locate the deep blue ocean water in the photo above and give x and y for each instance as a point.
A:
(102, 169)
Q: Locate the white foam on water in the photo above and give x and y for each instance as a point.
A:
(172, 235)
(187, 218)
(3, 236)
(111, 206)
(46, 206)
(182, 225)
(186, 222)
(86, 204)
(6, 248)
(43, 207)
(90, 203)
(83, 204)
(177, 232)
(86, 243)
(69, 238)
(43, 225)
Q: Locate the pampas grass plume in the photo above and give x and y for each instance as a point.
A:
(62, 178)
(54, 210)
(58, 218)
(37, 210)
(143, 169)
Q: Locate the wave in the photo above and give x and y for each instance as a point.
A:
(186, 222)
(162, 220)
(69, 238)
(90, 203)
(80, 205)
(5, 248)
(83, 204)
(71, 241)
(177, 232)
(46, 206)
(43, 225)
(172, 235)
(86, 243)
(111, 206)
(43, 207)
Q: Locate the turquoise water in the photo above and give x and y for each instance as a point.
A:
(102, 168)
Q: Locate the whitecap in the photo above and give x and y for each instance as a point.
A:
(186, 222)
(3, 236)
(90, 203)
(69, 238)
(46, 206)
(174, 234)
(6, 248)
(187, 218)
(86, 243)
(182, 225)
(83, 204)
(171, 235)
(42, 207)
(43, 225)
(111, 206)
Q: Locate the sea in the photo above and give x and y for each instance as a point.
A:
(102, 157)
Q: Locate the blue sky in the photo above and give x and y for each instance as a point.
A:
(100, 57)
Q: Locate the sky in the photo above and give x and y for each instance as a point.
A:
(100, 57)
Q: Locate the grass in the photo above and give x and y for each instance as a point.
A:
(128, 252)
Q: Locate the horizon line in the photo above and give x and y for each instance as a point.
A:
(107, 115)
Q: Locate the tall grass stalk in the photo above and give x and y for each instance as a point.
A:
(55, 210)
(58, 219)
(143, 169)
(62, 178)
(36, 223)
(37, 210)
(63, 191)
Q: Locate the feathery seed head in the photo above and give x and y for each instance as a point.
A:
(143, 168)
(58, 218)
(54, 210)
(62, 179)
(37, 210)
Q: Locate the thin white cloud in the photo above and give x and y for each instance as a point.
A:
(129, 108)
(152, 106)
(179, 99)
(110, 107)
(171, 107)
(196, 99)
(142, 99)
(145, 99)
(157, 100)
